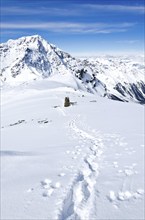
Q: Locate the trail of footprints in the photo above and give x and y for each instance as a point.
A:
(80, 197)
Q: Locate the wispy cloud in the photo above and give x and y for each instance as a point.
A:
(118, 8)
(72, 10)
(49, 11)
(104, 28)
(127, 41)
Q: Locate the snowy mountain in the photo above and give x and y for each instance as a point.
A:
(32, 58)
(123, 76)
(85, 161)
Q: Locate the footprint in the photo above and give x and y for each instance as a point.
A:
(138, 194)
(124, 195)
(93, 148)
(78, 153)
(30, 190)
(111, 196)
(140, 191)
(115, 163)
(120, 171)
(74, 158)
(46, 183)
(61, 174)
(56, 185)
(73, 152)
(48, 192)
(116, 206)
(92, 165)
(128, 172)
(49, 187)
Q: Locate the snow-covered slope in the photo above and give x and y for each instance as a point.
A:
(32, 58)
(81, 162)
(124, 77)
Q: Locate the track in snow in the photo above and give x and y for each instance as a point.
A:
(80, 199)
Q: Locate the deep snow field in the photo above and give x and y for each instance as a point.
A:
(82, 162)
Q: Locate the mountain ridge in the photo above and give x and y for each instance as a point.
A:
(33, 58)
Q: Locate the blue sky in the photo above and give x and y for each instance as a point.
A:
(80, 27)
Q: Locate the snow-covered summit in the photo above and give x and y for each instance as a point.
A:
(29, 58)
(33, 58)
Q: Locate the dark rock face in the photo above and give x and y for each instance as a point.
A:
(113, 97)
(37, 59)
(132, 91)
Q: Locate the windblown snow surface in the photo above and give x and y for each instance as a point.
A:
(82, 162)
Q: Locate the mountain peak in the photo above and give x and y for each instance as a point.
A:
(32, 57)
(23, 39)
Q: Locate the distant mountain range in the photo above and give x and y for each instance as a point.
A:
(33, 58)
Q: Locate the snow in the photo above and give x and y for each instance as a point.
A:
(132, 69)
(85, 161)
(32, 58)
